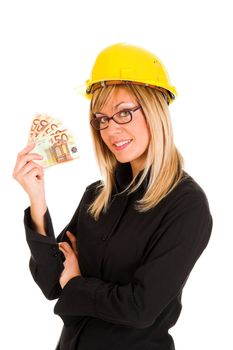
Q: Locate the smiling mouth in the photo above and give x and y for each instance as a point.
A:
(122, 144)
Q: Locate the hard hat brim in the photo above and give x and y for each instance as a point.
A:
(88, 89)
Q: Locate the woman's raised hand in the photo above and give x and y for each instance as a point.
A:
(29, 174)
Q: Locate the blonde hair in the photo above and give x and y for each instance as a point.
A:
(163, 158)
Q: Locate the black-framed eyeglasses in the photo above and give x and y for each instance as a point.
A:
(100, 121)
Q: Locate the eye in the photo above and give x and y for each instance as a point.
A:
(103, 120)
(124, 114)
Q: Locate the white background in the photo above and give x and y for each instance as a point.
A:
(47, 49)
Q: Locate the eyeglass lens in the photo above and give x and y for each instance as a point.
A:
(121, 117)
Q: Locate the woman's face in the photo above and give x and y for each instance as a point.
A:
(135, 132)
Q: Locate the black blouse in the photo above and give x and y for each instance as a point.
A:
(134, 266)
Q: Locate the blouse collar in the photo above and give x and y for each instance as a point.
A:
(124, 175)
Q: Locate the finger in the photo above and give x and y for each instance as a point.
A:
(73, 241)
(71, 236)
(29, 166)
(25, 159)
(30, 170)
(27, 149)
(36, 173)
(66, 255)
(62, 250)
(66, 248)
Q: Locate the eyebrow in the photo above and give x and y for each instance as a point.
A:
(122, 103)
(116, 106)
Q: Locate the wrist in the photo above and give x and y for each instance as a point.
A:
(38, 202)
(64, 283)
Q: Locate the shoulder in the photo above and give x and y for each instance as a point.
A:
(190, 187)
(186, 194)
(189, 203)
(186, 210)
(94, 186)
(93, 189)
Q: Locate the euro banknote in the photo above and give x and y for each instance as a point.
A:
(54, 142)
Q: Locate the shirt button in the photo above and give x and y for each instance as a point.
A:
(104, 237)
(55, 251)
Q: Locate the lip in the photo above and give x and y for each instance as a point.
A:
(119, 148)
(122, 140)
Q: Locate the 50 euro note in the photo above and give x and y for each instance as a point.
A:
(58, 148)
(42, 125)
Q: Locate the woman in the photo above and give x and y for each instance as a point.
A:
(119, 267)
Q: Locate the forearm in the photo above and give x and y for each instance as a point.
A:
(46, 262)
(37, 209)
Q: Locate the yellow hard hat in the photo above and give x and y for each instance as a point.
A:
(123, 63)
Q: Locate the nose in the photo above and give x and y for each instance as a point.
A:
(113, 126)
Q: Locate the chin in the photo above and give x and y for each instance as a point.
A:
(124, 159)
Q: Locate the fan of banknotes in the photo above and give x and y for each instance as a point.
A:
(52, 140)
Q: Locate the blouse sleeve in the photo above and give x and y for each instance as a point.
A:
(46, 261)
(184, 234)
